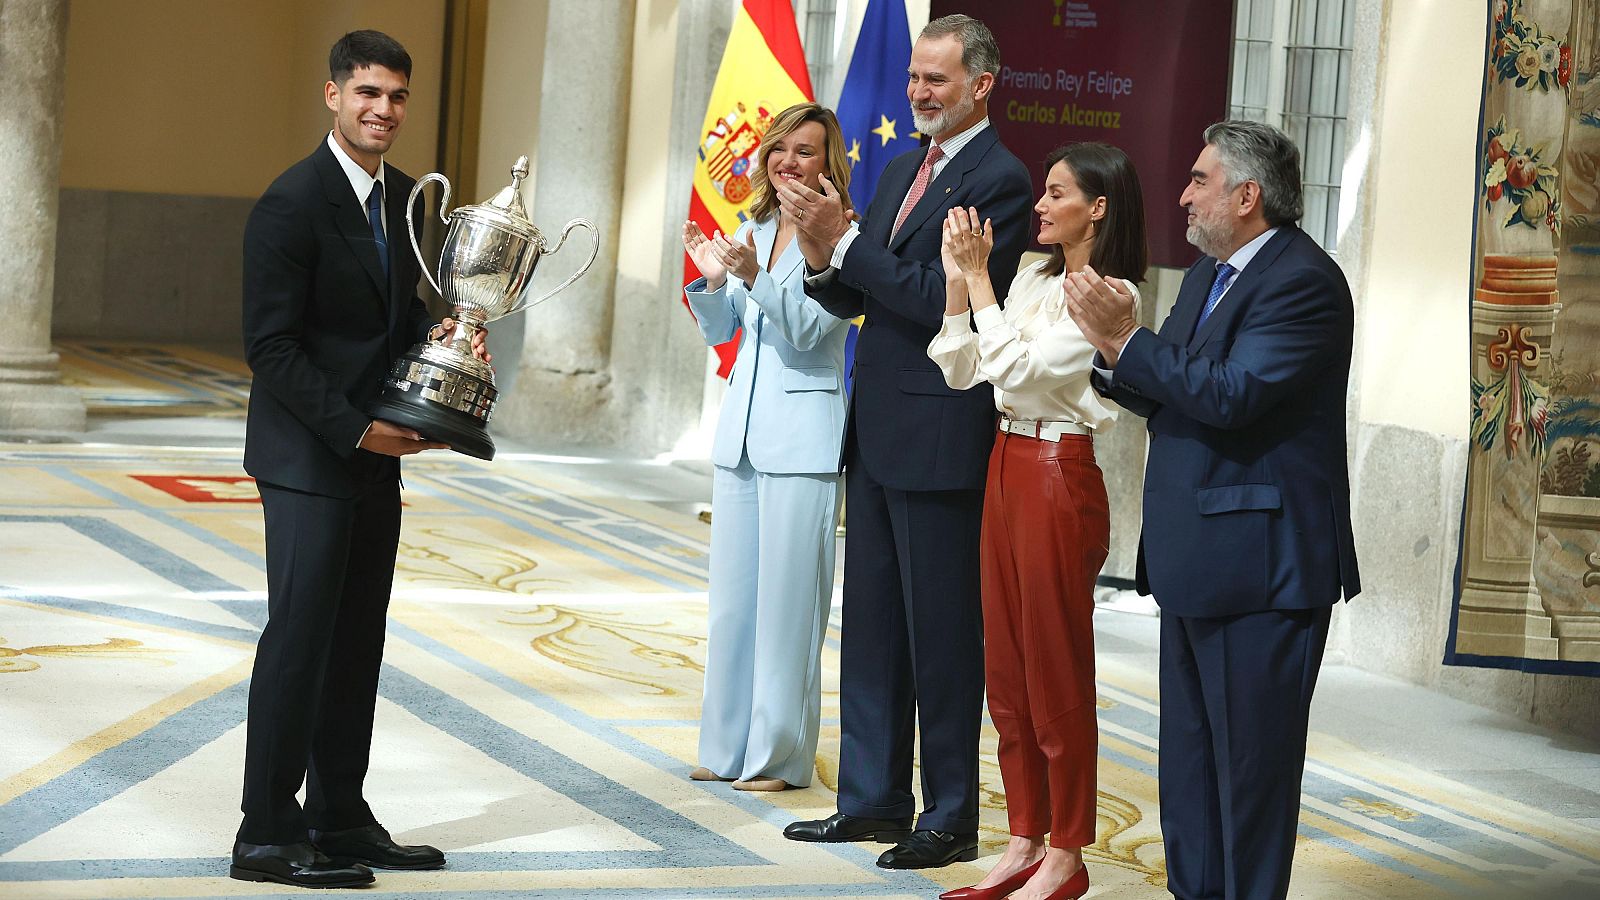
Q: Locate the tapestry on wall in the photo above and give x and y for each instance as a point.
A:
(1528, 576)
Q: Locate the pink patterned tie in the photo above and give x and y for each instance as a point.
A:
(918, 186)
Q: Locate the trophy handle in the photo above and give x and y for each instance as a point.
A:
(411, 229)
(594, 250)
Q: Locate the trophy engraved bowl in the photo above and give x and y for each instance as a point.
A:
(439, 388)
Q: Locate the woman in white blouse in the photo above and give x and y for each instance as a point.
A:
(1046, 526)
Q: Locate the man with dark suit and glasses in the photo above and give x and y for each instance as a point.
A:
(1247, 542)
(329, 302)
(916, 454)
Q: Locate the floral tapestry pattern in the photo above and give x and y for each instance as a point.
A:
(1520, 175)
(1528, 593)
(1524, 54)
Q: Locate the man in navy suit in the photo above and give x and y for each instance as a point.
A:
(330, 302)
(1246, 541)
(915, 456)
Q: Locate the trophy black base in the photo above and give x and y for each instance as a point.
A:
(435, 422)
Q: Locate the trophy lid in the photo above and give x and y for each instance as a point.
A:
(505, 208)
(510, 197)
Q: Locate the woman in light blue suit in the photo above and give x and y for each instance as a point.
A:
(776, 490)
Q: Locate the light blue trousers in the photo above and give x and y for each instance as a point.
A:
(772, 544)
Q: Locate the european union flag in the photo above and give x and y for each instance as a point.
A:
(873, 111)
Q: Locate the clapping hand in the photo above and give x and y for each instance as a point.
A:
(818, 252)
(965, 244)
(957, 297)
(1103, 309)
(704, 255)
(738, 259)
(952, 269)
(818, 255)
(822, 215)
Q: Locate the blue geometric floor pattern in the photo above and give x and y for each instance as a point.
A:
(537, 711)
(154, 379)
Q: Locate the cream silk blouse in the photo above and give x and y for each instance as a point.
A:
(1032, 352)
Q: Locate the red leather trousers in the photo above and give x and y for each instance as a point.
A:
(1046, 533)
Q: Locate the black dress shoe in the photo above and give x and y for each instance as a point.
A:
(297, 865)
(930, 850)
(840, 827)
(371, 844)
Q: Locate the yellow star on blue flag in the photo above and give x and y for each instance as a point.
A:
(885, 130)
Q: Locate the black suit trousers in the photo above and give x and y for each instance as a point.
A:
(330, 567)
(912, 651)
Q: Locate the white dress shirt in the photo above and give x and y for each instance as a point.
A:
(1032, 352)
(950, 147)
(360, 181)
(1241, 258)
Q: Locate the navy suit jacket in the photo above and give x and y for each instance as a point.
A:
(322, 325)
(1247, 492)
(913, 431)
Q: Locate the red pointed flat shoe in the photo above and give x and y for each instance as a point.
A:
(997, 892)
(1073, 887)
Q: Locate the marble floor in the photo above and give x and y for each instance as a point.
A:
(538, 707)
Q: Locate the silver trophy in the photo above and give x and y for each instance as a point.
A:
(439, 388)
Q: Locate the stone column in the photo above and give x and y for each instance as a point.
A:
(33, 39)
(563, 378)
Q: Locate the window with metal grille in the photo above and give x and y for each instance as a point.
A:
(1257, 83)
(817, 22)
(1291, 68)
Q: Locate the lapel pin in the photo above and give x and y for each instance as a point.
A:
(947, 190)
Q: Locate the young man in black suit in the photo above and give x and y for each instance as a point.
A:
(329, 302)
(916, 455)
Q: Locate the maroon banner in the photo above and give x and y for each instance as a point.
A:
(1145, 75)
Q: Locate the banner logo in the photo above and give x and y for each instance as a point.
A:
(1074, 14)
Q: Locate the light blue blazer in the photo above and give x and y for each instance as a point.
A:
(785, 405)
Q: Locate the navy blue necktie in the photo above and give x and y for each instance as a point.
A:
(375, 215)
(1224, 271)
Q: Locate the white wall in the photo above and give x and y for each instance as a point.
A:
(1415, 296)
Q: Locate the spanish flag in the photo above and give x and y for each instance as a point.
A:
(763, 72)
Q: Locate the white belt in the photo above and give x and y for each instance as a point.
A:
(1043, 429)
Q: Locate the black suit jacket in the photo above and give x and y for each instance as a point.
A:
(1247, 492)
(912, 430)
(322, 325)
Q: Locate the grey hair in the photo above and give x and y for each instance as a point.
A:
(979, 52)
(1252, 151)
